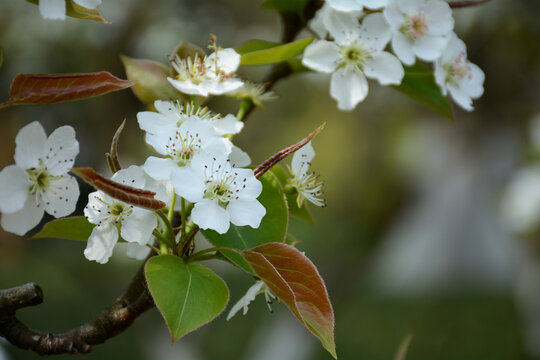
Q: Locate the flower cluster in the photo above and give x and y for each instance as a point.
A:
(416, 29)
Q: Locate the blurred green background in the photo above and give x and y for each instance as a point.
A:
(412, 241)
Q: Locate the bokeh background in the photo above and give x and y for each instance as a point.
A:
(413, 241)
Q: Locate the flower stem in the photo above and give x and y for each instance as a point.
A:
(245, 106)
(171, 208)
(168, 232)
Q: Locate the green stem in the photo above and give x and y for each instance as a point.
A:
(171, 208)
(245, 106)
(184, 217)
(194, 101)
(168, 233)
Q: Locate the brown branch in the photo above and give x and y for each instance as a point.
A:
(111, 322)
(466, 3)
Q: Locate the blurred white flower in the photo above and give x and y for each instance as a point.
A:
(114, 218)
(213, 75)
(356, 5)
(357, 52)
(420, 28)
(520, 205)
(457, 76)
(258, 288)
(222, 194)
(56, 9)
(39, 181)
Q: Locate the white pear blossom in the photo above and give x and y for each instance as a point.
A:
(357, 52)
(222, 194)
(211, 75)
(317, 24)
(175, 113)
(179, 143)
(356, 5)
(520, 205)
(457, 76)
(56, 9)
(420, 28)
(258, 288)
(306, 184)
(114, 218)
(39, 181)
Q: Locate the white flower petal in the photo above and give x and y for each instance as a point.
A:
(52, 9)
(412, 6)
(96, 209)
(317, 25)
(220, 87)
(429, 47)
(60, 199)
(154, 123)
(246, 212)
(89, 4)
(243, 303)
(460, 97)
(136, 251)
(14, 185)
(228, 60)
(386, 68)
(403, 48)
(440, 76)
(228, 125)
(30, 145)
(133, 176)
(393, 15)
(101, 243)
(187, 87)
(209, 215)
(440, 18)
(375, 31)
(61, 150)
(158, 168)
(473, 84)
(341, 25)
(249, 186)
(138, 226)
(374, 4)
(348, 87)
(23, 220)
(238, 157)
(188, 184)
(302, 159)
(345, 5)
(321, 56)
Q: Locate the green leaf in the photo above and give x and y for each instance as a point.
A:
(294, 6)
(273, 226)
(187, 295)
(303, 212)
(419, 84)
(150, 79)
(70, 228)
(275, 54)
(255, 45)
(77, 11)
(294, 279)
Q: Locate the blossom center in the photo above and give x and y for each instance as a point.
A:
(193, 70)
(40, 179)
(353, 54)
(182, 147)
(415, 26)
(222, 184)
(458, 69)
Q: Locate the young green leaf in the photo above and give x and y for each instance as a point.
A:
(187, 295)
(273, 226)
(134, 196)
(275, 54)
(294, 279)
(420, 85)
(294, 6)
(32, 89)
(150, 80)
(255, 45)
(301, 213)
(69, 228)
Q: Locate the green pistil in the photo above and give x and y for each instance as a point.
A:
(353, 54)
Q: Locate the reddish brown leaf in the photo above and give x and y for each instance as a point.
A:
(34, 89)
(277, 157)
(294, 279)
(134, 196)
